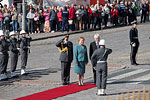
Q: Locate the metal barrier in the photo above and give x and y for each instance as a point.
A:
(141, 95)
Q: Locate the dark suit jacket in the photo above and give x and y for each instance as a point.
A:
(64, 56)
(92, 48)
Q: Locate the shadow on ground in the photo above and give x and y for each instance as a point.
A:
(30, 75)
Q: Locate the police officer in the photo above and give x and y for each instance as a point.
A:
(66, 57)
(134, 42)
(99, 59)
(14, 53)
(24, 50)
(4, 48)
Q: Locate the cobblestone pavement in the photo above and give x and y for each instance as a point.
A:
(44, 67)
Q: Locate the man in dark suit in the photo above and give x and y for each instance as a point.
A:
(99, 60)
(93, 46)
(134, 42)
(66, 49)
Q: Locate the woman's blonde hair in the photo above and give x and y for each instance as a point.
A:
(81, 38)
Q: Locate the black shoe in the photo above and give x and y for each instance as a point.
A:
(135, 64)
(64, 84)
(101, 94)
(79, 84)
(68, 83)
(82, 85)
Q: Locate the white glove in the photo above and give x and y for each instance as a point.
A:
(28, 47)
(134, 44)
(94, 68)
(18, 48)
(1, 53)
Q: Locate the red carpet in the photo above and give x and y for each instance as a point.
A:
(57, 92)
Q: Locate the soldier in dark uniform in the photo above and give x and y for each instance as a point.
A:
(24, 50)
(14, 53)
(4, 48)
(66, 57)
(99, 59)
(134, 42)
(93, 46)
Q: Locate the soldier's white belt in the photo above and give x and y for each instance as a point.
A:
(101, 61)
(135, 37)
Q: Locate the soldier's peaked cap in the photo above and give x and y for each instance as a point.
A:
(22, 32)
(12, 33)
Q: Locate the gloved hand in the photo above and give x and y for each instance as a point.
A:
(134, 44)
(18, 48)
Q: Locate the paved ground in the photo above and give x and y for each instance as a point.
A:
(44, 66)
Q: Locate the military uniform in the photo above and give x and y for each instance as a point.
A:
(14, 53)
(99, 59)
(134, 42)
(4, 48)
(24, 50)
(66, 58)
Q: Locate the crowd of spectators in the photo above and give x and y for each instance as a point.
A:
(72, 17)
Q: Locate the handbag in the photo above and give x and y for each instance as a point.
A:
(70, 21)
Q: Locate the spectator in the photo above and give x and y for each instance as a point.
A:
(147, 10)
(134, 9)
(106, 14)
(72, 16)
(99, 17)
(14, 15)
(65, 16)
(122, 13)
(78, 17)
(47, 23)
(41, 21)
(30, 17)
(36, 21)
(53, 16)
(144, 9)
(84, 17)
(59, 15)
(130, 13)
(89, 15)
(7, 22)
(1, 20)
(114, 16)
(93, 16)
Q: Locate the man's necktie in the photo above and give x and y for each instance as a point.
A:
(97, 45)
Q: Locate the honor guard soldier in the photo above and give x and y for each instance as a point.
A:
(93, 46)
(14, 52)
(24, 50)
(66, 49)
(99, 59)
(134, 42)
(4, 48)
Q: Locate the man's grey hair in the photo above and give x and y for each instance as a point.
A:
(96, 36)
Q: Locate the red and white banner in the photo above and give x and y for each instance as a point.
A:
(62, 3)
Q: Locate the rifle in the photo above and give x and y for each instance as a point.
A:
(28, 41)
(18, 42)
